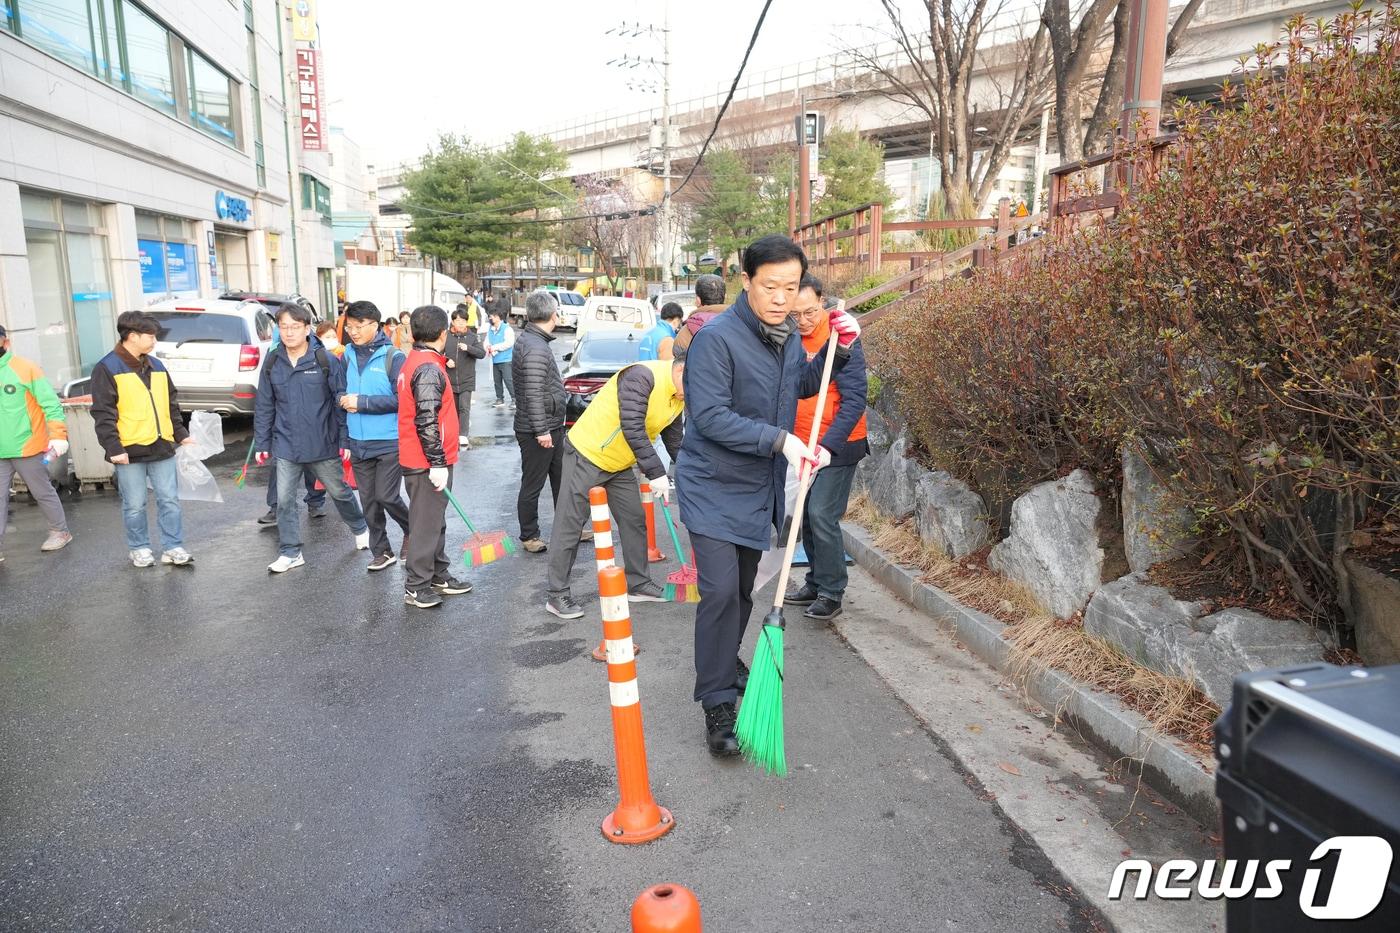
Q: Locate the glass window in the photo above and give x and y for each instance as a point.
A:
(599, 352)
(80, 214)
(96, 327)
(211, 98)
(200, 327)
(147, 225)
(7, 17)
(61, 28)
(148, 58)
(50, 304)
(37, 208)
(109, 54)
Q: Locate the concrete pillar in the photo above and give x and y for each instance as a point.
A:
(258, 273)
(16, 290)
(123, 261)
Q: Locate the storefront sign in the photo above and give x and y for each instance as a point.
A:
(180, 262)
(151, 254)
(228, 207)
(213, 264)
(304, 20)
(274, 246)
(309, 100)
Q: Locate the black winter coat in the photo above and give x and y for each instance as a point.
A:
(463, 350)
(539, 389)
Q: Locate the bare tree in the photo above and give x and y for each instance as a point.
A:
(934, 74)
(611, 222)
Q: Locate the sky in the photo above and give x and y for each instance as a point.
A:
(396, 80)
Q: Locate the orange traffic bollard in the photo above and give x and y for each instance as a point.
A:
(649, 509)
(602, 546)
(637, 817)
(666, 908)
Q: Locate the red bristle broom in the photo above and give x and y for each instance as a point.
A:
(682, 586)
(482, 547)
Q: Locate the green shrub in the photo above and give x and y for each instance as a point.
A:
(1240, 318)
(865, 284)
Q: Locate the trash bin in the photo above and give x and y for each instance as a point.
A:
(1306, 755)
(90, 465)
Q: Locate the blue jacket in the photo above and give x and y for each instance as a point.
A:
(298, 415)
(373, 429)
(496, 335)
(738, 388)
(651, 342)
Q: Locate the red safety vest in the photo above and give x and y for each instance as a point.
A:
(411, 455)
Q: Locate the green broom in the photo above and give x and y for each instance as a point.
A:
(481, 548)
(759, 728)
(242, 476)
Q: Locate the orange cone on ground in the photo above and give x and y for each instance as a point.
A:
(649, 509)
(666, 908)
(602, 546)
(637, 817)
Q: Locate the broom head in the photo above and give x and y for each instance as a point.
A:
(760, 725)
(681, 592)
(485, 546)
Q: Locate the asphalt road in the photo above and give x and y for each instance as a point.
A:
(216, 749)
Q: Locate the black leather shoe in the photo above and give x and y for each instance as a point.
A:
(719, 729)
(268, 518)
(804, 596)
(824, 609)
(742, 681)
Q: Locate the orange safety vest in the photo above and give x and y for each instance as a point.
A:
(815, 343)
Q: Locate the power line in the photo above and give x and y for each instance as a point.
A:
(728, 97)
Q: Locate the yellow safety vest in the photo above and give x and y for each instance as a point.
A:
(142, 416)
(597, 435)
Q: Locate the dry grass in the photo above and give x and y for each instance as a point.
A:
(1038, 640)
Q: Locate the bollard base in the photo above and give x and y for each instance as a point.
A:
(600, 653)
(614, 831)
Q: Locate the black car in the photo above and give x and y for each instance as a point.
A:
(596, 358)
(273, 301)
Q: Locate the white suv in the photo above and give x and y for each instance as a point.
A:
(569, 304)
(214, 349)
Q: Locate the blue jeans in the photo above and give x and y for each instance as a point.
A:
(821, 530)
(289, 476)
(131, 484)
(315, 498)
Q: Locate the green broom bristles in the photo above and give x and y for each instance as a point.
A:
(759, 728)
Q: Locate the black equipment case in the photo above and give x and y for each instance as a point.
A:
(1306, 754)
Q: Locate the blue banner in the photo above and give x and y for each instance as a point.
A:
(152, 256)
(180, 260)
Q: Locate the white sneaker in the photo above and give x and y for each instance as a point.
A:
(463, 441)
(177, 556)
(283, 563)
(362, 541)
(142, 557)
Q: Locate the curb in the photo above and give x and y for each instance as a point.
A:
(1100, 717)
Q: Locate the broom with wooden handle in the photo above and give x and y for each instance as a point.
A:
(759, 728)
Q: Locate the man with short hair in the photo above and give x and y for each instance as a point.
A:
(299, 422)
(137, 417)
(427, 426)
(660, 337)
(745, 371)
(841, 432)
(709, 291)
(615, 433)
(32, 432)
(371, 405)
(539, 415)
(463, 349)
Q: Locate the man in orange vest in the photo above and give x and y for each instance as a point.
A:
(841, 432)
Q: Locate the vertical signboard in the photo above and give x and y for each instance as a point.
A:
(309, 100)
(304, 20)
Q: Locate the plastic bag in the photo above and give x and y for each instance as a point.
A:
(196, 483)
(207, 432)
(772, 560)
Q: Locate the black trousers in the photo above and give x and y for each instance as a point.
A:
(538, 464)
(726, 572)
(378, 479)
(427, 531)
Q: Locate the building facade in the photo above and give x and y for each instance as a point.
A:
(144, 155)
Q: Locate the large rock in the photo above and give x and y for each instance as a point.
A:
(1053, 548)
(949, 515)
(893, 480)
(877, 433)
(1233, 641)
(1374, 613)
(1166, 634)
(1154, 530)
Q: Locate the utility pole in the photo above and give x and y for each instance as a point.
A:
(1144, 65)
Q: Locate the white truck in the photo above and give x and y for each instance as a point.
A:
(395, 289)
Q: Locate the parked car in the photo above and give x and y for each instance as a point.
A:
(273, 301)
(214, 349)
(685, 298)
(570, 303)
(631, 315)
(596, 358)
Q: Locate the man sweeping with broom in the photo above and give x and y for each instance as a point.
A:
(616, 432)
(745, 371)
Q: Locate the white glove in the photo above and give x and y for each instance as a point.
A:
(57, 448)
(847, 330)
(661, 488)
(796, 452)
(438, 477)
